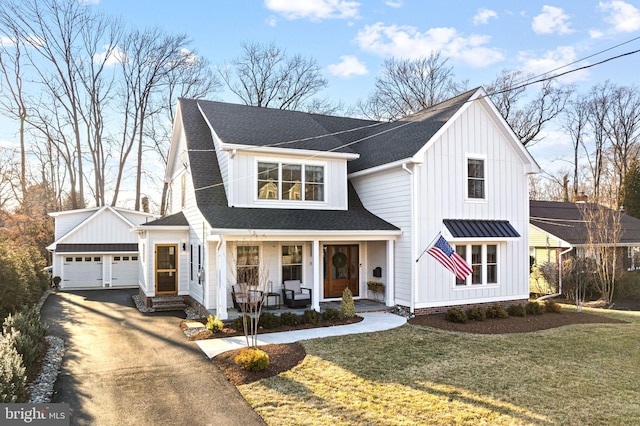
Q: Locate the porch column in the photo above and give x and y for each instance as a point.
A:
(389, 300)
(221, 268)
(317, 275)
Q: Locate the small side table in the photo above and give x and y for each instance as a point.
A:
(272, 301)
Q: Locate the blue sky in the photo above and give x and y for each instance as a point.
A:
(351, 38)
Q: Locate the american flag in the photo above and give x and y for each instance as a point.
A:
(451, 260)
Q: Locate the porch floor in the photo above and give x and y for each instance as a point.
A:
(361, 305)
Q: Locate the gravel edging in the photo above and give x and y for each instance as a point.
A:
(41, 389)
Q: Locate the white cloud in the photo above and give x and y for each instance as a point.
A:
(624, 17)
(551, 20)
(116, 56)
(408, 42)
(596, 34)
(6, 41)
(272, 21)
(349, 65)
(315, 10)
(554, 60)
(483, 16)
(90, 1)
(395, 4)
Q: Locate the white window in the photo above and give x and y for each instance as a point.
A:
(292, 262)
(483, 259)
(248, 264)
(291, 182)
(476, 183)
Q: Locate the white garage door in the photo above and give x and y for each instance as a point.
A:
(82, 271)
(124, 270)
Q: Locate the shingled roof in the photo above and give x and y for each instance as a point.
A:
(566, 221)
(234, 123)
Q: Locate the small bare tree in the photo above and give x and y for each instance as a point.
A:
(406, 86)
(508, 91)
(266, 76)
(604, 230)
(250, 288)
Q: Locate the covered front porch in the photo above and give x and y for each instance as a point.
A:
(326, 266)
(361, 306)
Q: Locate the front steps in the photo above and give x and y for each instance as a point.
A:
(168, 303)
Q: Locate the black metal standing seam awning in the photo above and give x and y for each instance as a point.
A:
(97, 248)
(480, 228)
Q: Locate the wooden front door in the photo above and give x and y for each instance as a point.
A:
(341, 270)
(167, 269)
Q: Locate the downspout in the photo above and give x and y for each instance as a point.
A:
(549, 296)
(413, 240)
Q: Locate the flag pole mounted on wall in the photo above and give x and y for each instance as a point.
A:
(442, 251)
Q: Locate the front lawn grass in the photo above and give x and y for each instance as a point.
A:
(574, 375)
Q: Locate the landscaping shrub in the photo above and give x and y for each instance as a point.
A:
(237, 324)
(13, 381)
(497, 311)
(311, 316)
(28, 333)
(289, 319)
(347, 304)
(332, 315)
(627, 286)
(534, 308)
(476, 314)
(269, 320)
(214, 324)
(456, 315)
(22, 277)
(552, 306)
(252, 359)
(517, 311)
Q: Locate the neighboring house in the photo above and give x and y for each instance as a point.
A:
(559, 229)
(335, 202)
(95, 248)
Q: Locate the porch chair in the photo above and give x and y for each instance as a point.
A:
(295, 296)
(243, 294)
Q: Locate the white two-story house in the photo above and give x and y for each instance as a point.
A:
(335, 202)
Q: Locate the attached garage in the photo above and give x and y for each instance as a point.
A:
(95, 248)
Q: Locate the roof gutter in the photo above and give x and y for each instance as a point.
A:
(549, 296)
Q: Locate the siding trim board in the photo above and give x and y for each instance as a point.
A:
(97, 248)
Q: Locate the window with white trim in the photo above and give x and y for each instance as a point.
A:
(483, 259)
(248, 264)
(476, 178)
(292, 262)
(290, 182)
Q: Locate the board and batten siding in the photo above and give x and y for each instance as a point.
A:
(244, 189)
(442, 187)
(65, 222)
(387, 194)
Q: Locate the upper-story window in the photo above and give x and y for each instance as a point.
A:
(476, 178)
(279, 181)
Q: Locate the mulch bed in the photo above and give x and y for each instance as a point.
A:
(282, 357)
(286, 356)
(230, 332)
(512, 324)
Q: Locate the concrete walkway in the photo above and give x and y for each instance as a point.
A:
(372, 322)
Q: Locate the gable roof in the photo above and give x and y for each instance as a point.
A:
(210, 194)
(95, 214)
(565, 221)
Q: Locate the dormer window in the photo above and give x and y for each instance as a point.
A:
(290, 182)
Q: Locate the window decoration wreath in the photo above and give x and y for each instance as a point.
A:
(339, 260)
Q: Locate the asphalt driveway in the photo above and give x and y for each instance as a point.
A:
(122, 367)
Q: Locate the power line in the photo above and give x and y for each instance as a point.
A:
(409, 121)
